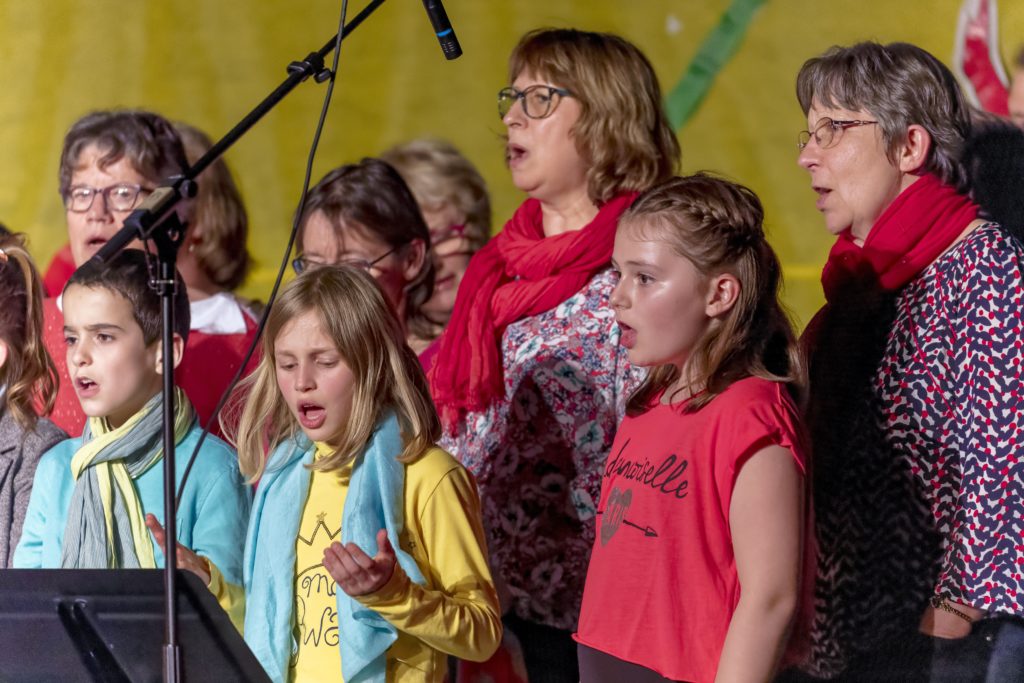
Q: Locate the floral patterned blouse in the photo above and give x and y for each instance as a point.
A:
(537, 454)
(927, 496)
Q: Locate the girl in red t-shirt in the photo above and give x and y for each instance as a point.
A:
(696, 569)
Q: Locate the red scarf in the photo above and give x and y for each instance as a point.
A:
(518, 274)
(919, 225)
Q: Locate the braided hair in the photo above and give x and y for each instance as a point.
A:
(718, 225)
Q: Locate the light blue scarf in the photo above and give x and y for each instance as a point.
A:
(375, 501)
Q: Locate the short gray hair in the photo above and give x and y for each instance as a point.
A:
(147, 140)
(900, 85)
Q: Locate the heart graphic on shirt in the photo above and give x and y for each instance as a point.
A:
(614, 513)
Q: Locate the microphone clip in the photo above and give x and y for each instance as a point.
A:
(312, 65)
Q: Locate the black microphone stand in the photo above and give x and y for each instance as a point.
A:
(167, 239)
(156, 219)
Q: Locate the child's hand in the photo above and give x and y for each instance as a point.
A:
(186, 558)
(356, 572)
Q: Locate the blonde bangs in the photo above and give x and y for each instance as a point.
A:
(356, 316)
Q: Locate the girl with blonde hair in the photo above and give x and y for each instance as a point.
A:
(354, 495)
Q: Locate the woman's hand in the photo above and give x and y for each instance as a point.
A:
(356, 572)
(185, 557)
(942, 624)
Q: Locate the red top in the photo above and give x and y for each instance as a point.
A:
(662, 584)
(61, 267)
(209, 363)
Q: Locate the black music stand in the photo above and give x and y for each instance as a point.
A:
(108, 625)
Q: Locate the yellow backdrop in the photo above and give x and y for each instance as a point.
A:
(209, 61)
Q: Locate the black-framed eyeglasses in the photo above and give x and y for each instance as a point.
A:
(118, 197)
(301, 264)
(538, 100)
(827, 132)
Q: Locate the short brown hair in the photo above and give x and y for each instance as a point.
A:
(127, 274)
(147, 140)
(29, 373)
(718, 226)
(219, 210)
(622, 132)
(362, 324)
(373, 194)
(439, 176)
(900, 85)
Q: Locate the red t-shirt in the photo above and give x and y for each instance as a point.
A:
(208, 364)
(662, 584)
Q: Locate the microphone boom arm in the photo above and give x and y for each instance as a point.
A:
(152, 213)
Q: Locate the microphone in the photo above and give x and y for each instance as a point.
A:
(443, 28)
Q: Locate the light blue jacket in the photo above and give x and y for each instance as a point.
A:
(212, 516)
(374, 501)
(270, 582)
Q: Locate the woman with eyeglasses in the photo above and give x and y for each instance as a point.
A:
(110, 162)
(530, 379)
(364, 215)
(453, 199)
(916, 390)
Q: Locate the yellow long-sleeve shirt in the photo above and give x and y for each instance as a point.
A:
(456, 612)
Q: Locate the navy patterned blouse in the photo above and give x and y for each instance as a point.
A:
(923, 495)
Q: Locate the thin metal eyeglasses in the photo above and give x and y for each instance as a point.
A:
(538, 100)
(301, 264)
(827, 132)
(118, 197)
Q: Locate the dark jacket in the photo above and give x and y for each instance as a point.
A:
(20, 452)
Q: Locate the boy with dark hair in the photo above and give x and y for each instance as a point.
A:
(92, 494)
